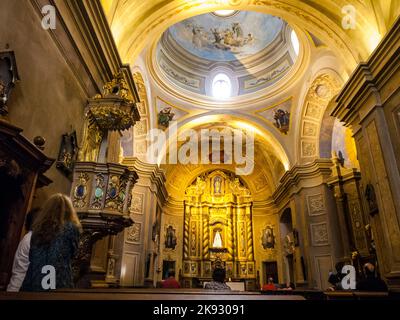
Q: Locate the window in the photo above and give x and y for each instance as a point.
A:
(221, 86)
(224, 13)
(295, 42)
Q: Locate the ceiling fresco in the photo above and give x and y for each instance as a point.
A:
(215, 38)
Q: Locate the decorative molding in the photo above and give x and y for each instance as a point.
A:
(134, 233)
(319, 234)
(137, 203)
(316, 204)
(360, 90)
(310, 174)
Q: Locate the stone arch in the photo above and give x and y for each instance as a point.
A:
(324, 87)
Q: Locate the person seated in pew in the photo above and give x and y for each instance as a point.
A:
(170, 282)
(218, 282)
(270, 286)
(21, 258)
(372, 281)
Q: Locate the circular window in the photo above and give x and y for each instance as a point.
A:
(221, 86)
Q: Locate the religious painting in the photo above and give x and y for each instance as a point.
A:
(67, 154)
(282, 120)
(211, 37)
(170, 238)
(278, 115)
(268, 238)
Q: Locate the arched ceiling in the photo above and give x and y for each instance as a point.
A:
(284, 113)
(134, 22)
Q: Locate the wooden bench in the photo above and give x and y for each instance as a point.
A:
(144, 294)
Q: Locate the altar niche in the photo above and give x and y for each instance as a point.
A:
(218, 230)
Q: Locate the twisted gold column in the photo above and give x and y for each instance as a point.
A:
(229, 245)
(186, 234)
(206, 238)
(250, 255)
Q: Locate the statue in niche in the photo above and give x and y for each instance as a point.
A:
(217, 185)
(268, 238)
(170, 238)
(217, 240)
(92, 138)
(282, 120)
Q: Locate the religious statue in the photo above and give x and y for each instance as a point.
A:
(165, 116)
(282, 120)
(170, 238)
(92, 139)
(288, 244)
(217, 240)
(268, 238)
(217, 185)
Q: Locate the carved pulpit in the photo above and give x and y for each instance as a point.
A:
(101, 190)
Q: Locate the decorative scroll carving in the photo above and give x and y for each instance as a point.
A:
(316, 204)
(134, 233)
(137, 203)
(113, 110)
(319, 234)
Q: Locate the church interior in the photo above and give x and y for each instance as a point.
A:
(257, 136)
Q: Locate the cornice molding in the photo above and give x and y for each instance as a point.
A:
(307, 175)
(153, 172)
(362, 90)
(85, 41)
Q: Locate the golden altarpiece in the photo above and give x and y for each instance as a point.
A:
(217, 228)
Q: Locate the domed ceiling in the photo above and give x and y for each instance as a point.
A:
(217, 38)
(252, 50)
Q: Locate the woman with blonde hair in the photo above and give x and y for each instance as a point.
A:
(54, 242)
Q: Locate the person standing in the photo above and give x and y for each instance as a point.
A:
(54, 242)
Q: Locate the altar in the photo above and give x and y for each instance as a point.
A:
(218, 231)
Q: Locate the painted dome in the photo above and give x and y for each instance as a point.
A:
(250, 50)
